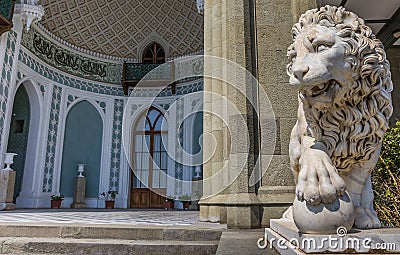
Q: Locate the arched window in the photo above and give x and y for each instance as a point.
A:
(154, 54)
(149, 181)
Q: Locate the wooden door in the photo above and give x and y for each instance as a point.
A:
(148, 178)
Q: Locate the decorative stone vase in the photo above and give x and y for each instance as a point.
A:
(56, 204)
(9, 160)
(81, 169)
(197, 170)
(110, 204)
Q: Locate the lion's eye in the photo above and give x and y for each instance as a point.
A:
(321, 47)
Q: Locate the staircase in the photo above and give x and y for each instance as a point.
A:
(18, 238)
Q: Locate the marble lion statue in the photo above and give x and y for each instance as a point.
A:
(344, 83)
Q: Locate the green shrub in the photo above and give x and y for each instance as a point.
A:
(386, 179)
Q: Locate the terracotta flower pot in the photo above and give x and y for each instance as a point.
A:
(168, 204)
(110, 204)
(56, 204)
(186, 205)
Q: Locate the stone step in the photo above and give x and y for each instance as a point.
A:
(25, 245)
(110, 232)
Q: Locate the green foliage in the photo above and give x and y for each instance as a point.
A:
(110, 195)
(170, 198)
(185, 197)
(386, 179)
(56, 197)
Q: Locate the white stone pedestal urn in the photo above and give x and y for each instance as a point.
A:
(81, 169)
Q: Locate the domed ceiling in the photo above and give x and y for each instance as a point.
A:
(119, 27)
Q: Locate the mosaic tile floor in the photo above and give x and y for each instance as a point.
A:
(88, 216)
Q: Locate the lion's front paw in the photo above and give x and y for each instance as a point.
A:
(318, 179)
(365, 218)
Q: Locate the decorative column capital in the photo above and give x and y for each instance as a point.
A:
(29, 11)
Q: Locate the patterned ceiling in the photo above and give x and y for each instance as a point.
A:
(119, 27)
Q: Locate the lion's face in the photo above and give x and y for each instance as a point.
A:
(319, 66)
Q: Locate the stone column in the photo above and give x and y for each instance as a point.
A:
(274, 20)
(254, 34)
(79, 193)
(232, 200)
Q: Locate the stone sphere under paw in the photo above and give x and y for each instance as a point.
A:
(324, 218)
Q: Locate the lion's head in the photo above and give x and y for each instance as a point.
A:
(344, 82)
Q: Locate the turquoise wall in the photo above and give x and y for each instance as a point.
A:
(82, 144)
(18, 136)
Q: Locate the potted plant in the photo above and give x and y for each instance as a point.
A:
(56, 201)
(110, 198)
(186, 201)
(168, 203)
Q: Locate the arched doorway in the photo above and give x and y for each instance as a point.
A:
(150, 160)
(82, 144)
(23, 139)
(18, 135)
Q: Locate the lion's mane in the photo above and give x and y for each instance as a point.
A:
(353, 128)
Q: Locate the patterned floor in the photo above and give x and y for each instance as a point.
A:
(87, 216)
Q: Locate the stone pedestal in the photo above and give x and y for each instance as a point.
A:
(7, 182)
(284, 236)
(243, 211)
(80, 193)
(197, 192)
(275, 201)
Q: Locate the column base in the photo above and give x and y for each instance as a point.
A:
(204, 212)
(243, 211)
(275, 201)
(7, 206)
(210, 208)
(78, 206)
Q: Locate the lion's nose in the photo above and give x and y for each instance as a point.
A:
(300, 70)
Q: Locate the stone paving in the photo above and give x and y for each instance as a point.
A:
(99, 216)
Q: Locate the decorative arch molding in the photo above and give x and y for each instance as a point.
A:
(104, 105)
(142, 110)
(132, 120)
(153, 37)
(84, 146)
(96, 104)
(32, 170)
(132, 113)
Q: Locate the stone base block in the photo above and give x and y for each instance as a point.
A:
(284, 236)
(204, 215)
(213, 213)
(243, 211)
(275, 201)
(78, 205)
(7, 206)
(243, 217)
(272, 212)
(223, 215)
